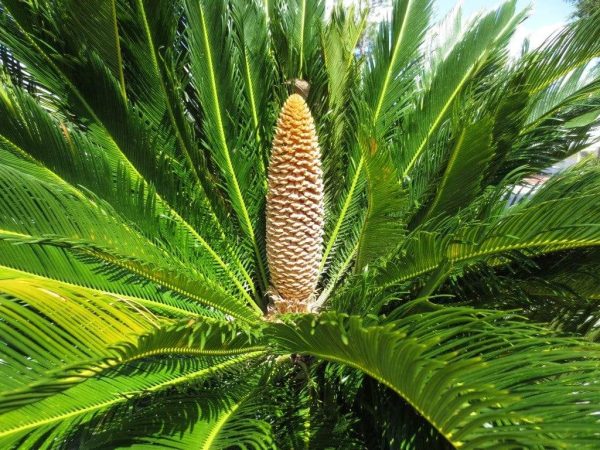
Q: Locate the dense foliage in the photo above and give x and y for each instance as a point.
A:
(457, 304)
(585, 8)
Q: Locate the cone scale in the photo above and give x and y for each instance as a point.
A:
(295, 211)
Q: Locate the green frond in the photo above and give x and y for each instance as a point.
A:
(212, 67)
(509, 118)
(462, 178)
(178, 355)
(568, 50)
(391, 66)
(256, 66)
(546, 90)
(339, 41)
(536, 226)
(208, 338)
(564, 92)
(44, 318)
(384, 83)
(93, 230)
(118, 129)
(94, 23)
(467, 372)
(296, 27)
(182, 418)
(314, 405)
(561, 291)
(450, 79)
(340, 38)
(386, 204)
(234, 425)
(12, 69)
(57, 416)
(341, 226)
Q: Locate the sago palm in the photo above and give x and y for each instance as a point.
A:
(222, 225)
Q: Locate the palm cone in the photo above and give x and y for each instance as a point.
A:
(295, 211)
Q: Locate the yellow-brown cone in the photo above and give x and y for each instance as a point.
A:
(295, 211)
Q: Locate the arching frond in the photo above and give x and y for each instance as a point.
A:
(387, 203)
(451, 77)
(216, 82)
(178, 355)
(135, 142)
(467, 372)
(235, 424)
(43, 320)
(95, 164)
(89, 229)
(534, 227)
(392, 65)
(387, 78)
(295, 25)
(462, 178)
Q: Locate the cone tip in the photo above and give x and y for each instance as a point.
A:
(295, 99)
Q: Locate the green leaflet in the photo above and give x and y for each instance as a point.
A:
(134, 152)
(437, 363)
(451, 77)
(462, 178)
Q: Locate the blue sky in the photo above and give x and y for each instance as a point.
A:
(544, 13)
(546, 16)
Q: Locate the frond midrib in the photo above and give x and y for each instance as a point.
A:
(123, 398)
(113, 5)
(226, 150)
(388, 74)
(138, 270)
(207, 445)
(390, 385)
(179, 311)
(160, 200)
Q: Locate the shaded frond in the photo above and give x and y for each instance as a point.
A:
(467, 372)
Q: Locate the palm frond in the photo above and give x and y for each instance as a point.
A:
(467, 372)
(339, 41)
(84, 402)
(95, 24)
(470, 155)
(397, 47)
(451, 76)
(46, 317)
(256, 63)
(391, 66)
(89, 228)
(211, 65)
(536, 226)
(295, 25)
(117, 128)
(383, 226)
(234, 425)
(178, 355)
(565, 51)
(208, 338)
